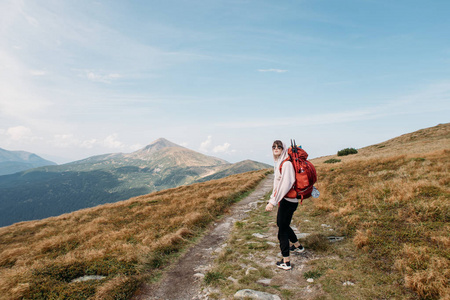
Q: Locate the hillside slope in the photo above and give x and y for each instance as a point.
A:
(39, 259)
(54, 190)
(422, 141)
(392, 202)
(240, 167)
(379, 230)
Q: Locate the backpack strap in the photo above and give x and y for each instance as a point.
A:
(281, 165)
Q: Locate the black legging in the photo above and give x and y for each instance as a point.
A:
(285, 233)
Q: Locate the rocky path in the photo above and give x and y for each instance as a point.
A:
(183, 279)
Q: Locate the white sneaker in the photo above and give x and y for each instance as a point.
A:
(284, 265)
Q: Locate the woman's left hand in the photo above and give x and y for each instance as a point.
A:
(269, 207)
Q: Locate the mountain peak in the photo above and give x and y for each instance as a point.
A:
(163, 142)
(158, 145)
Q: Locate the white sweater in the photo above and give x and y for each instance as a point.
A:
(282, 183)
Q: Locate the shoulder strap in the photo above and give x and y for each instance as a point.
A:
(281, 165)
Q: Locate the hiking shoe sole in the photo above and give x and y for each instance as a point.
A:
(297, 250)
(284, 266)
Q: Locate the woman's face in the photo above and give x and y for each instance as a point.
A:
(277, 149)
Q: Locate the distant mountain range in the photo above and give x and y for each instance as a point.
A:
(16, 161)
(56, 189)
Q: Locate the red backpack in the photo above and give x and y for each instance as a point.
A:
(305, 173)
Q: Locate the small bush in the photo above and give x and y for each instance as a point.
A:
(213, 277)
(312, 274)
(332, 161)
(239, 224)
(347, 151)
(420, 159)
(317, 242)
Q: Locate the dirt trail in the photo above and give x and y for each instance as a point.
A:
(183, 279)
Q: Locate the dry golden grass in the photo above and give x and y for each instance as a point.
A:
(393, 199)
(121, 241)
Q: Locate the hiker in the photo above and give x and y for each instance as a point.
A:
(283, 182)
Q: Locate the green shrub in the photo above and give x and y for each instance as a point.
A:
(314, 274)
(347, 151)
(317, 242)
(332, 161)
(213, 278)
(418, 159)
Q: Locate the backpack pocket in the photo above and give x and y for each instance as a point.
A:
(302, 180)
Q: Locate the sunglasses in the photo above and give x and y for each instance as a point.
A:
(276, 146)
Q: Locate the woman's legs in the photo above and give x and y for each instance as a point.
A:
(286, 210)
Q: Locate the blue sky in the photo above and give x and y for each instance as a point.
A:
(226, 78)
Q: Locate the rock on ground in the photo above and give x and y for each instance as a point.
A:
(252, 294)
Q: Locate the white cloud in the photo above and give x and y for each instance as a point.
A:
(18, 133)
(88, 144)
(272, 70)
(99, 77)
(69, 140)
(206, 145)
(222, 148)
(111, 141)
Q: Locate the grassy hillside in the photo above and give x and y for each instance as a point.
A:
(390, 203)
(397, 213)
(126, 242)
(393, 199)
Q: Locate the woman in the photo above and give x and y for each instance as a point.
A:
(283, 182)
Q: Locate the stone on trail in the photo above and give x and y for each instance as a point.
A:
(234, 280)
(265, 281)
(252, 294)
(199, 275)
(302, 235)
(258, 235)
(249, 270)
(202, 269)
(334, 239)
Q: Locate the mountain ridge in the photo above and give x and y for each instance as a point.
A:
(16, 161)
(53, 190)
(422, 140)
